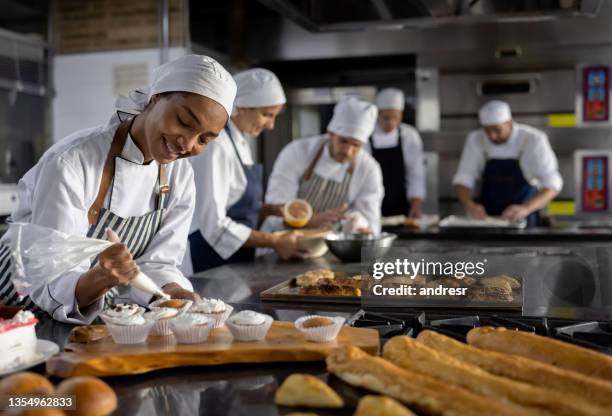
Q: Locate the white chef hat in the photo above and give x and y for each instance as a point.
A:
(494, 112)
(258, 87)
(353, 118)
(390, 99)
(196, 74)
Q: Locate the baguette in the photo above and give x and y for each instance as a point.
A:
(424, 393)
(415, 356)
(536, 347)
(523, 369)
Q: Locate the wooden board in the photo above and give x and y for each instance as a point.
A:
(283, 343)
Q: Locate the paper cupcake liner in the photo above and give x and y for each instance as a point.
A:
(218, 318)
(161, 327)
(194, 334)
(129, 334)
(325, 333)
(185, 308)
(245, 333)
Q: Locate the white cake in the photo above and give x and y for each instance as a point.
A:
(17, 340)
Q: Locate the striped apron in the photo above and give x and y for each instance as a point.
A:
(321, 193)
(136, 232)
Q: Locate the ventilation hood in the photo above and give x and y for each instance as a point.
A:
(355, 15)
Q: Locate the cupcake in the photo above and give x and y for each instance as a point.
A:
(161, 318)
(181, 305)
(191, 328)
(126, 323)
(215, 309)
(319, 328)
(249, 325)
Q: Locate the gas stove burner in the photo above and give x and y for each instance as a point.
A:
(594, 335)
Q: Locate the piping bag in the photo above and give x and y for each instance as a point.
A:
(141, 281)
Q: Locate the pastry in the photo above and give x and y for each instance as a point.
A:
(88, 333)
(306, 390)
(317, 322)
(422, 392)
(126, 323)
(173, 303)
(17, 339)
(312, 277)
(318, 328)
(249, 325)
(490, 294)
(523, 369)
(412, 355)
(381, 406)
(501, 280)
(92, 396)
(25, 383)
(215, 309)
(191, 328)
(547, 350)
(330, 290)
(161, 318)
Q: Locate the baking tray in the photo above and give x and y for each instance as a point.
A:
(288, 291)
(465, 223)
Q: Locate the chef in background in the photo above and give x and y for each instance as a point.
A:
(398, 148)
(331, 172)
(229, 185)
(518, 168)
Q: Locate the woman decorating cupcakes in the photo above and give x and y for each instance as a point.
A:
(129, 176)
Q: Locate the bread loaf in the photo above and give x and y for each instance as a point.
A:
(549, 351)
(425, 394)
(412, 355)
(523, 369)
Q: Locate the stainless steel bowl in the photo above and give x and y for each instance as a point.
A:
(347, 247)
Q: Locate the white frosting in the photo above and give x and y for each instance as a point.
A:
(209, 306)
(191, 319)
(248, 318)
(124, 314)
(122, 310)
(161, 313)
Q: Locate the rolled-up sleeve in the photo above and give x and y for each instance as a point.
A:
(165, 252)
(540, 160)
(57, 203)
(212, 177)
(471, 164)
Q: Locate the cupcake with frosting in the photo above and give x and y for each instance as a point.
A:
(161, 318)
(318, 328)
(215, 309)
(126, 323)
(249, 325)
(191, 328)
(181, 305)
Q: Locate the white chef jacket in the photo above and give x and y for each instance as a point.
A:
(59, 190)
(527, 144)
(220, 183)
(365, 193)
(412, 150)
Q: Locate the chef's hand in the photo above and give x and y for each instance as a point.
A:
(286, 245)
(476, 211)
(416, 208)
(515, 212)
(177, 292)
(327, 218)
(116, 263)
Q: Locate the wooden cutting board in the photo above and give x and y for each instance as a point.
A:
(283, 343)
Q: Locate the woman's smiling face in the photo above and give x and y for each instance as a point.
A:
(181, 124)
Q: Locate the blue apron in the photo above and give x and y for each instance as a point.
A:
(244, 211)
(504, 184)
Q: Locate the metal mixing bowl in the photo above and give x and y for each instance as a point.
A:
(347, 247)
